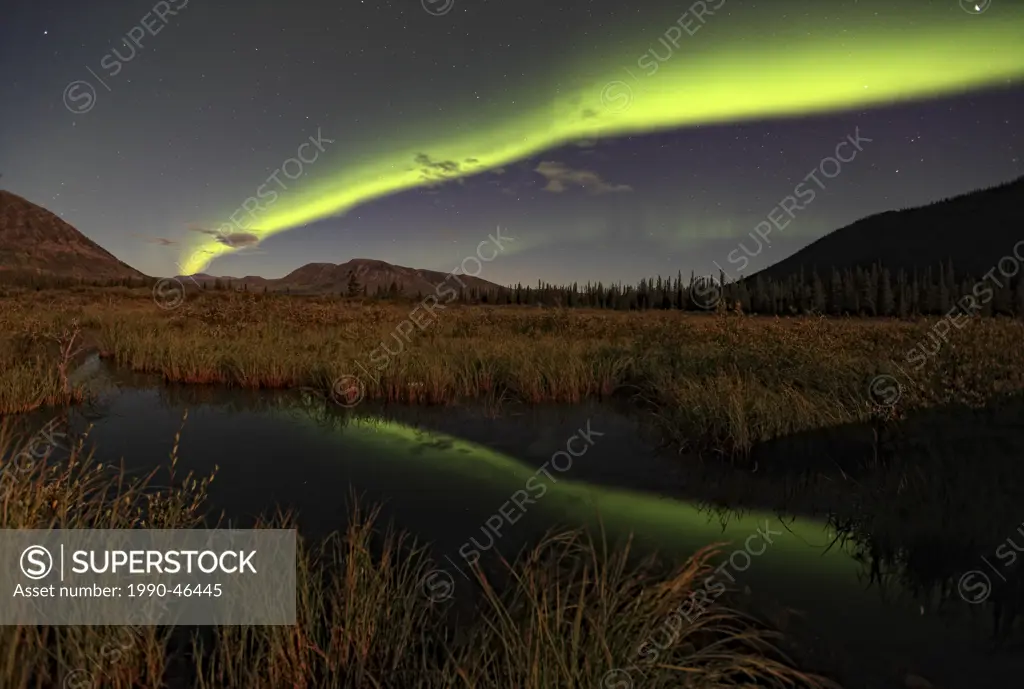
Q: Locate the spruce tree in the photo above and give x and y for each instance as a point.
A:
(913, 295)
(867, 291)
(743, 296)
(836, 298)
(818, 299)
(1003, 299)
(851, 303)
(902, 303)
(885, 303)
(944, 285)
(931, 299)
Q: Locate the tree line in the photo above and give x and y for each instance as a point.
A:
(864, 292)
(859, 292)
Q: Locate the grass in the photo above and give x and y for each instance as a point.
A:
(567, 613)
(721, 383)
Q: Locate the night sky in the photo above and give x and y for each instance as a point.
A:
(612, 140)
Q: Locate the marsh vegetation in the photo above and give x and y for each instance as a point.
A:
(720, 384)
(748, 389)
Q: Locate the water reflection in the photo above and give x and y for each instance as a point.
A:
(882, 553)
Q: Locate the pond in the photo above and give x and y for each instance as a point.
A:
(474, 483)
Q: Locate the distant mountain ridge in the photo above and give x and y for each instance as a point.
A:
(371, 274)
(973, 230)
(36, 242)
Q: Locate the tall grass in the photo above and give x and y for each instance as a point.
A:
(565, 614)
(723, 383)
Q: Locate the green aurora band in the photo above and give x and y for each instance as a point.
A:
(671, 526)
(725, 72)
(802, 570)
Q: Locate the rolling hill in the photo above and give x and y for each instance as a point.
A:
(35, 242)
(331, 278)
(973, 230)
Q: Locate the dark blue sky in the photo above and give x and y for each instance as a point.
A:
(198, 116)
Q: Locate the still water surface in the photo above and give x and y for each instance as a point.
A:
(445, 474)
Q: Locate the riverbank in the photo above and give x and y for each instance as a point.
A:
(719, 383)
(445, 473)
(571, 614)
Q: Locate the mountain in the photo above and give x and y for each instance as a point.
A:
(34, 241)
(973, 230)
(200, 278)
(322, 278)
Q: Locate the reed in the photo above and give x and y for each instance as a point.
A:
(567, 613)
(722, 383)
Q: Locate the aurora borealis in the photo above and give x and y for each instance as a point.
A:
(440, 121)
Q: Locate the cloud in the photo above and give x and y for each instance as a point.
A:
(235, 240)
(560, 177)
(437, 171)
(162, 241)
(238, 239)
